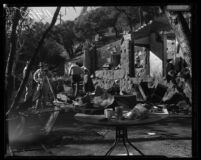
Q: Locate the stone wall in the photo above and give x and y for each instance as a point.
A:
(104, 53)
(106, 78)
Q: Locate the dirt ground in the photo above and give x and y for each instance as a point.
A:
(171, 138)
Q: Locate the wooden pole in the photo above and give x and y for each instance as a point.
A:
(164, 54)
(131, 59)
(147, 61)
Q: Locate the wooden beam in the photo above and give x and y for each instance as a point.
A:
(178, 7)
(142, 92)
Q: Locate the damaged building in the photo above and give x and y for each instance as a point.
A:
(136, 60)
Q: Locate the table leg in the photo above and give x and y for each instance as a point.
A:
(112, 148)
(125, 147)
(121, 133)
(135, 147)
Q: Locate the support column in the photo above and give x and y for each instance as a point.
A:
(164, 54)
(147, 51)
(87, 60)
(127, 56)
(131, 55)
(131, 59)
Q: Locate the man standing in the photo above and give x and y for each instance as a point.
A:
(75, 73)
(39, 77)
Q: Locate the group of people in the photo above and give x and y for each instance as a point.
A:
(78, 75)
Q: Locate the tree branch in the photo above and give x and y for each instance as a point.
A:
(31, 63)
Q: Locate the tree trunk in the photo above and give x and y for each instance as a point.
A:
(23, 83)
(183, 35)
(12, 53)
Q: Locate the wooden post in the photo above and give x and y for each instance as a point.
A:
(142, 92)
(131, 59)
(164, 54)
(87, 60)
(147, 61)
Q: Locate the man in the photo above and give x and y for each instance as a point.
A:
(75, 73)
(39, 77)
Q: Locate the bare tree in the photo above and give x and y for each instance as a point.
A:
(8, 73)
(32, 61)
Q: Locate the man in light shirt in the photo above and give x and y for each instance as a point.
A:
(39, 77)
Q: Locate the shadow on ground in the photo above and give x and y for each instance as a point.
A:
(69, 131)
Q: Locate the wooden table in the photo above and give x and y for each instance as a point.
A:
(120, 126)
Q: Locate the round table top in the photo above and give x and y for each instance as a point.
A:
(101, 120)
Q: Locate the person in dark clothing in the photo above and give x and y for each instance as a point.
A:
(88, 84)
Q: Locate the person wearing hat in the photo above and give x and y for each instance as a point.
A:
(29, 84)
(39, 77)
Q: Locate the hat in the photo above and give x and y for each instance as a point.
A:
(169, 60)
(40, 64)
(116, 81)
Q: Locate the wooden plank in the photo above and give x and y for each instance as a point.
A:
(53, 117)
(51, 89)
(178, 7)
(45, 149)
(142, 92)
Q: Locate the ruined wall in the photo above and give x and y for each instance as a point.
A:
(106, 78)
(104, 53)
